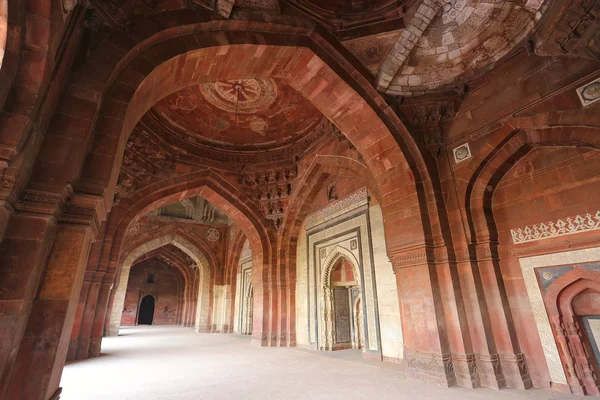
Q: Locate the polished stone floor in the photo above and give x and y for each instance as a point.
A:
(152, 363)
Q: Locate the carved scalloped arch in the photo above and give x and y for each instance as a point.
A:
(337, 253)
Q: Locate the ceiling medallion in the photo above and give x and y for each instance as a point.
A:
(241, 96)
(259, 125)
(219, 124)
(185, 103)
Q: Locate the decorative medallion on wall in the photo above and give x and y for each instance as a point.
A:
(241, 96)
(589, 93)
(323, 253)
(212, 234)
(561, 227)
(353, 244)
(134, 226)
(462, 153)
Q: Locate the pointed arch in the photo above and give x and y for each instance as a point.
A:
(568, 329)
(189, 248)
(336, 254)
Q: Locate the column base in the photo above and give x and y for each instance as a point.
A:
(490, 371)
(95, 347)
(72, 352)
(83, 347)
(465, 370)
(430, 367)
(265, 339)
(516, 372)
(203, 329)
(56, 394)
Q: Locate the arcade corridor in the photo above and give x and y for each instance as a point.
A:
(160, 363)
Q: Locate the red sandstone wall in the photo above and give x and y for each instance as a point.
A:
(547, 184)
(166, 289)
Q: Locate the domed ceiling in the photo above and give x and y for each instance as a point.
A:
(244, 114)
(463, 37)
(444, 47)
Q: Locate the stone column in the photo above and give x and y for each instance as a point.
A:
(511, 360)
(44, 346)
(83, 341)
(118, 300)
(23, 253)
(97, 331)
(427, 349)
(72, 353)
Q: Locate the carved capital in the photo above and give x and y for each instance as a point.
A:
(84, 209)
(421, 255)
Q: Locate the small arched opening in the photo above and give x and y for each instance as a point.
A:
(146, 315)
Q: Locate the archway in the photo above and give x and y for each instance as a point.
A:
(133, 254)
(341, 285)
(496, 209)
(346, 293)
(146, 314)
(565, 300)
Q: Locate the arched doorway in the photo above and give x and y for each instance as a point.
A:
(146, 315)
(344, 289)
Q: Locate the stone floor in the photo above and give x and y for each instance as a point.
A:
(151, 363)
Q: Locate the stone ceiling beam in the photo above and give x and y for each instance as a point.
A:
(406, 42)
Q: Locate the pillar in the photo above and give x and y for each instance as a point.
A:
(23, 253)
(510, 359)
(427, 349)
(44, 346)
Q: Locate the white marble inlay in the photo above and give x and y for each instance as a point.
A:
(528, 266)
(561, 227)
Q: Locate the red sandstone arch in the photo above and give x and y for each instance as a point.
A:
(309, 184)
(182, 275)
(344, 94)
(567, 328)
(217, 191)
(486, 171)
(191, 246)
(206, 258)
(491, 168)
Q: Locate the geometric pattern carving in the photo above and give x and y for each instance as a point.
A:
(547, 230)
(212, 234)
(462, 153)
(354, 200)
(342, 315)
(589, 93)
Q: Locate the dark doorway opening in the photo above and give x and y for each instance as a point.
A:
(146, 314)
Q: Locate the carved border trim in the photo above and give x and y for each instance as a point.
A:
(338, 208)
(561, 227)
(528, 266)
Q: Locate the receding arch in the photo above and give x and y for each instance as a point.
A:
(341, 90)
(188, 248)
